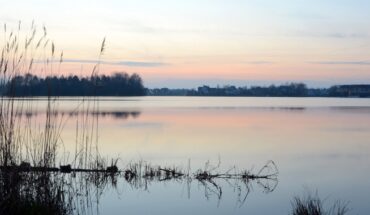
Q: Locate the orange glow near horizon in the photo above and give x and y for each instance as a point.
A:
(248, 72)
(222, 43)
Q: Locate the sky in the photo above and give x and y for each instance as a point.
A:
(184, 44)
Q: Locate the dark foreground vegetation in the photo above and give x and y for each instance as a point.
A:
(65, 190)
(285, 90)
(312, 204)
(118, 84)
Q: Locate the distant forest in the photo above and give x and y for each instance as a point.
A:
(123, 84)
(284, 90)
(118, 84)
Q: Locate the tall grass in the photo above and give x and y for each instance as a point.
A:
(87, 126)
(25, 142)
(30, 51)
(312, 204)
(25, 51)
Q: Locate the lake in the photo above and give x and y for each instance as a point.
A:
(318, 144)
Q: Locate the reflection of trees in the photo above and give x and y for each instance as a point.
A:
(118, 114)
(74, 114)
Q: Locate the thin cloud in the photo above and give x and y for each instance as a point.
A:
(352, 35)
(341, 62)
(121, 63)
(141, 64)
(259, 62)
(329, 34)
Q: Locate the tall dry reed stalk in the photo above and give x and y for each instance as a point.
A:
(27, 51)
(26, 142)
(87, 154)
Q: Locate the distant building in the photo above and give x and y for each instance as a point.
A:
(231, 91)
(356, 90)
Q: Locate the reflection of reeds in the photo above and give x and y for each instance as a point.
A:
(140, 174)
(31, 193)
(50, 193)
(80, 192)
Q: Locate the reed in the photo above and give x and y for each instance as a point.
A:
(27, 52)
(312, 204)
(20, 139)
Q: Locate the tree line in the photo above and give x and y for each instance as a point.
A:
(118, 84)
(290, 90)
(123, 84)
(284, 90)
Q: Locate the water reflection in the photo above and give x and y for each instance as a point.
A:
(74, 114)
(44, 192)
(312, 140)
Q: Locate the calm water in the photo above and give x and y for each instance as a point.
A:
(317, 143)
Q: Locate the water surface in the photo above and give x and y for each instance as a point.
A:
(318, 143)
